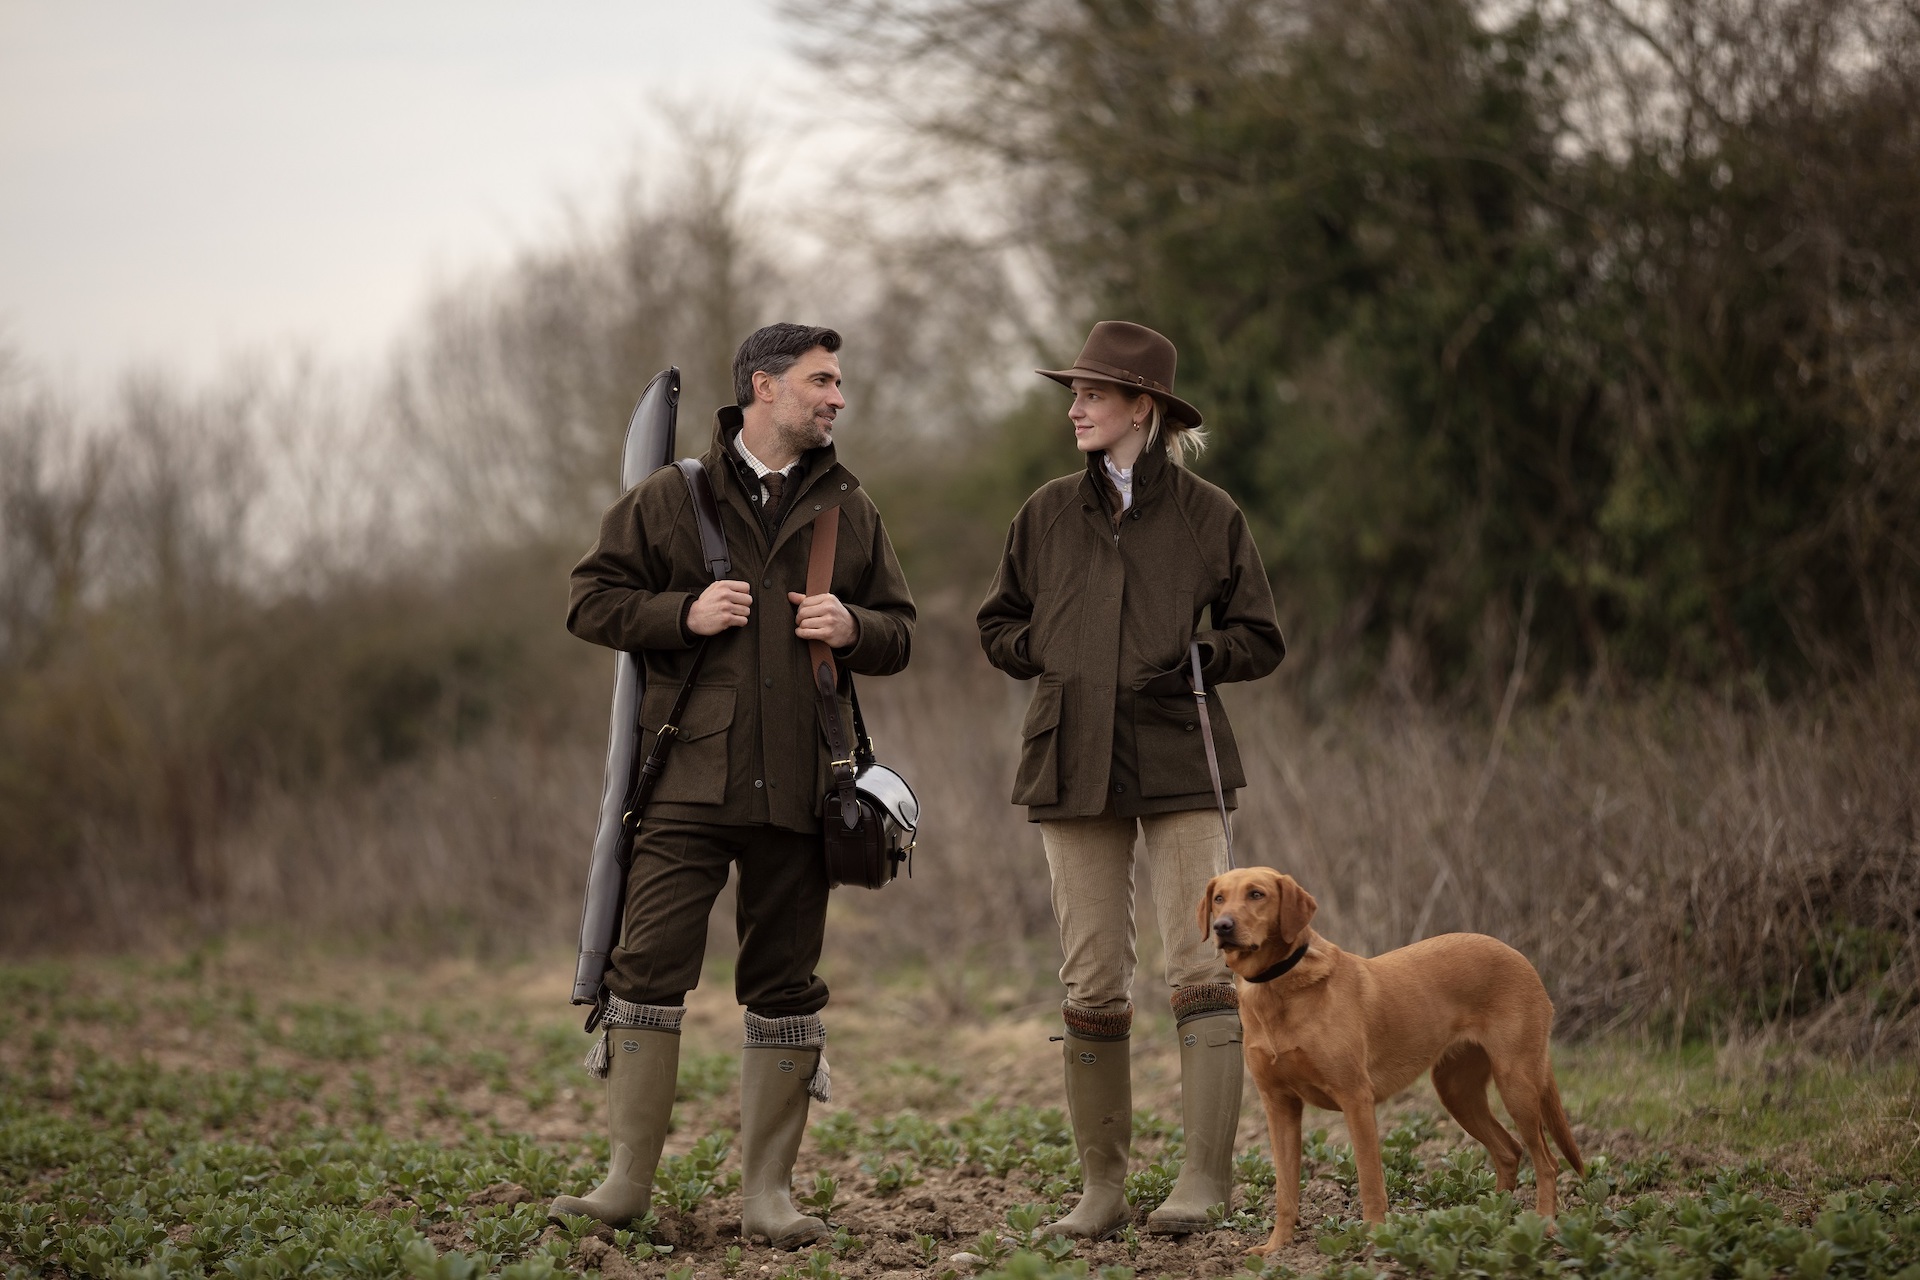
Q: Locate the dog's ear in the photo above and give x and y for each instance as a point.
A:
(1206, 909)
(1296, 910)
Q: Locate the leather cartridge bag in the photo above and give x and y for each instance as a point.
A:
(870, 815)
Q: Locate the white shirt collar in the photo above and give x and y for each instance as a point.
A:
(759, 468)
(1122, 480)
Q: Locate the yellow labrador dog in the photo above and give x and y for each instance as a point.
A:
(1345, 1033)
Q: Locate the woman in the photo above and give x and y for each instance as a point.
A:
(1098, 595)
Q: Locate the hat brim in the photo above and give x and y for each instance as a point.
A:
(1177, 409)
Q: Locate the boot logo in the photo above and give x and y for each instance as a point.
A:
(1190, 1040)
(1089, 1058)
(631, 1046)
(786, 1064)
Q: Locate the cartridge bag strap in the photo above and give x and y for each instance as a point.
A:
(1206, 736)
(826, 672)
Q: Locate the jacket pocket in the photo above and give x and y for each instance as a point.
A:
(1038, 779)
(696, 771)
(1171, 751)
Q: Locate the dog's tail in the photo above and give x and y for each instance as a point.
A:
(1556, 1117)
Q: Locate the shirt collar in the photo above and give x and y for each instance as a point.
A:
(760, 469)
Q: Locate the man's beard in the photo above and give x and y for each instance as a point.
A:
(800, 434)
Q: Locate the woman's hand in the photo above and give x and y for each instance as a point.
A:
(1171, 684)
(824, 618)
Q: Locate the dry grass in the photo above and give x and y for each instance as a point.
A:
(1678, 863)
(1674, 861)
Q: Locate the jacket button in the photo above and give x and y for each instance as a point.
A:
(769, 684)
(1119, 788)
(843, 488)
(757, 783)
(767, 583)
(773, 786)
(816, 506)
(1190, 725)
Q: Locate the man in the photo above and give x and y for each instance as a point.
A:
(745, 779)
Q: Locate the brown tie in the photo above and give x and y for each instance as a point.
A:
(775, 482)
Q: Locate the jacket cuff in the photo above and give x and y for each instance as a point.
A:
(1167, 684)
(660, 622)
(1015, 659)
(869, 650)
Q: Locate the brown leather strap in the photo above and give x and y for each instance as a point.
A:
(1206, 734)
(826, 537)
(826, 673)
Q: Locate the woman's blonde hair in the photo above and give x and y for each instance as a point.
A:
(1184, 443)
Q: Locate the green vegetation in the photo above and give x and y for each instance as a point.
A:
(1787, 1109)
(285, 1138)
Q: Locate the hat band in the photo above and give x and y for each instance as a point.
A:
(1123, 375)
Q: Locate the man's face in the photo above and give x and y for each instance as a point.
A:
(806, 399)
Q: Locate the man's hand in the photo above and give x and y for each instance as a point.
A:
(724, 604)
(823, 617)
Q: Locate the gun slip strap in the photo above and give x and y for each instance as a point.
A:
(713, 548)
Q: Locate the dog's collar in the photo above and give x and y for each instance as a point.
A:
(1269, 974)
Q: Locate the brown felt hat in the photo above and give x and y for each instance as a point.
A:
(1133, 356)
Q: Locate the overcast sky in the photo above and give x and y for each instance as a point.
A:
(180, 181)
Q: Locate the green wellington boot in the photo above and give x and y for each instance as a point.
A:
(1100, 1102)
(1211, 1069)
(641, 1070)
(773, 1119)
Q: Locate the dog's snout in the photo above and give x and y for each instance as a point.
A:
(1224, 926)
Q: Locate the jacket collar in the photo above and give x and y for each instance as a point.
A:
(722, 458)
(1149, 475)
(728, 422)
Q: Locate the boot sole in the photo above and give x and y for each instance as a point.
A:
(794, 1239)
(554, 1211)
(1053, 1229)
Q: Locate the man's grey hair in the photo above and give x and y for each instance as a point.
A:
(772, 351)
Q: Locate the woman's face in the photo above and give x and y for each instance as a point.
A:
(1105, 417)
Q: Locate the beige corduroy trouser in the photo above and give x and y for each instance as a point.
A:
(1091, 861)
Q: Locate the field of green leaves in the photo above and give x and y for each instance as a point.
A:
(246, 1115)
